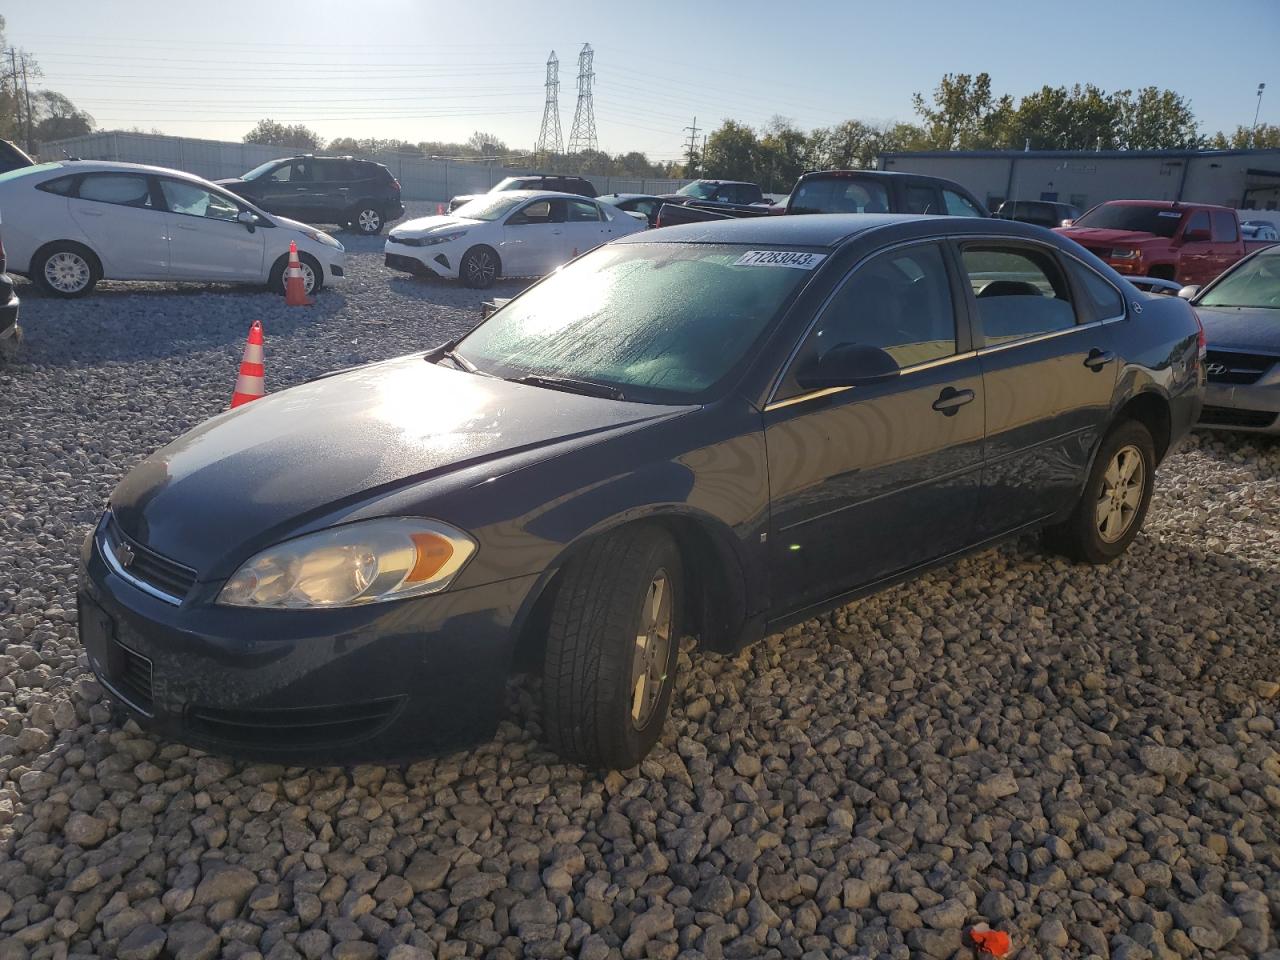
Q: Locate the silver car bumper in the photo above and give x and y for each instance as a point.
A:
(1254, 408)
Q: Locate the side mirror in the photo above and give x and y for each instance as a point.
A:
(1189, 291)
(848, 365)
(248, 218)
(1067, 222)
(1199, 235)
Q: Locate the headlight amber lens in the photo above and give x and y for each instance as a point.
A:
(366, 562)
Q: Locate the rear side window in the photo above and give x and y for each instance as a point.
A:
(334, 171)
(1224, 227)
(62, 186)
(1101, 300)
(958, 206)
(123, 189)
(582, 212)
(1020, 292)
(840, 195)
(922, 200)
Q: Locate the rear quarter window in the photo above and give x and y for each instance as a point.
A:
(62, 186)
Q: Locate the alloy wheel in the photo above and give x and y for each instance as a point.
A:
(308, 277)
(482, 267)
(67, 272)
(1123, 484)
(369, 221)
(652, 650)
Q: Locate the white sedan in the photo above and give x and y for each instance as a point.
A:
(71, 223)
(518, 233)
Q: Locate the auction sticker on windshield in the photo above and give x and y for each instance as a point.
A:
(780, 258)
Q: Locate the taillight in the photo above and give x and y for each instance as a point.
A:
(395, 183)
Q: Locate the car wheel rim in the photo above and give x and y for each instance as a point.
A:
(1123, 485)
(652, 650)
(369, 220)
(67, 272)
(308, 277)
(481, 268)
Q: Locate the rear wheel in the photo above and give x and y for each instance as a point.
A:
(66, 270)
(1115, 499)
(480, 267)
(612, 642)
(368, 220)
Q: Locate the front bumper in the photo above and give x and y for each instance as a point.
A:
(377, 683)
(433, 261)
(1251, 408)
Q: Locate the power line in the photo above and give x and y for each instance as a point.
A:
(583, 134)
(549, 138)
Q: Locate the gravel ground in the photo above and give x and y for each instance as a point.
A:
(1085, 758)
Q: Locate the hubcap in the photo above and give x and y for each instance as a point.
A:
(67, 272)
(369, 220)
(1122, 488)
(653, 646)
(481, 267)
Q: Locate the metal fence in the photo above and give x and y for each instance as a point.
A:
(420, 178)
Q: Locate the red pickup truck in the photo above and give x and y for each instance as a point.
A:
(1183, 242)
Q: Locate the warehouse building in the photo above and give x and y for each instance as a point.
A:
(1245, 179)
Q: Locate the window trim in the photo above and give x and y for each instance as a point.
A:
(153, 190)
(959, 308)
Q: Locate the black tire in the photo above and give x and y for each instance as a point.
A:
(480, 267)
(595, 709)
(367, 219)
(275, 283)
(9, 347)
(1124, 504)
(55, 267)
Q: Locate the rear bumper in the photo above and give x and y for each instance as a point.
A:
(393, 211)
(1252, 408)
(378, 683)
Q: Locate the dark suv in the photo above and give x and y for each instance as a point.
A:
(534, 181)
(359, 194)
(1043, 213)
(10, 332)
(12, 157)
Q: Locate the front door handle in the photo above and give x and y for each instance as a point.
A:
(1097, 359)
(950, 400)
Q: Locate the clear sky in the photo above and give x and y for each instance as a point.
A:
(428, 70)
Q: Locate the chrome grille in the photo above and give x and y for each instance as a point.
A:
(1225, 366)
(152, 572)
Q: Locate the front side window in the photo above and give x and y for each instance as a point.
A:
(582, 212)
(124, 189)
(662, 322)
(899, 301)
(840, 195)
(1021, 292)
(538, 212)
(1199, 223)
(958, 206)
(1224, 227)
(195, 201)
(281, 174)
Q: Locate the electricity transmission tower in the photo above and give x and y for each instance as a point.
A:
(583, 134)
(692, 159)
(549, 139)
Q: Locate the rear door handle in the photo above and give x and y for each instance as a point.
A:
(1097, 359)
(950, 400)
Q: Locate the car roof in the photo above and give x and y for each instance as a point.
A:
(1167, 204)
(810, 229)
(111, 166)
(530, 194)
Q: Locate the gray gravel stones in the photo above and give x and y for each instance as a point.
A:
(1085, 758)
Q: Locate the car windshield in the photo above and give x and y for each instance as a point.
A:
(699, 190)
(1254, 283)
(658, 322)
(489, 206)
(259, 170)
(1160, 221)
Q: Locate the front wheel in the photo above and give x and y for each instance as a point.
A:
(612, 642)
(1115, 498)
(312, 274)
(479, 268)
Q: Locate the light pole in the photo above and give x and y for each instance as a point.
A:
(1254, 129)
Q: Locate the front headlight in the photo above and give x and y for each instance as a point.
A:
(319, 236)
(435, 238)
(366, 562)
(1125, 253)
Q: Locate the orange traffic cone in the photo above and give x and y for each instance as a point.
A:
(439, 209)
(249, 385)
(295, 288)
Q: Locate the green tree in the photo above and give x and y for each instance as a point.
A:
(733, 152)
(486, 144)
(1156, 119)
(56, 117)
(275, 134)
(1266, 136)
(784, 154)
(962, 113)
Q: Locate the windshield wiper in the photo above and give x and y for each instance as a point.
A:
(569, 385)
(445, 352)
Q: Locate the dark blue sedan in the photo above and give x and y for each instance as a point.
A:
(713, 430)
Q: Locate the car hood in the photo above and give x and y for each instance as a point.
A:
(290, 224)
(253, 476)
(1091, 235)
(425, 225)
(1243, 329)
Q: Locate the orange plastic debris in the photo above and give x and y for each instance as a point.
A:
(994, 942)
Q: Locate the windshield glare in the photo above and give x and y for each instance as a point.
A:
(1255, 283)
(259, 170)
(663, 322)
(488, 207)
(1162, 222)
(697, 190)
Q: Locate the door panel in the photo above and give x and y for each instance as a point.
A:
(122, 224)
(207, 243)
(534, 240)
(583, 228)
